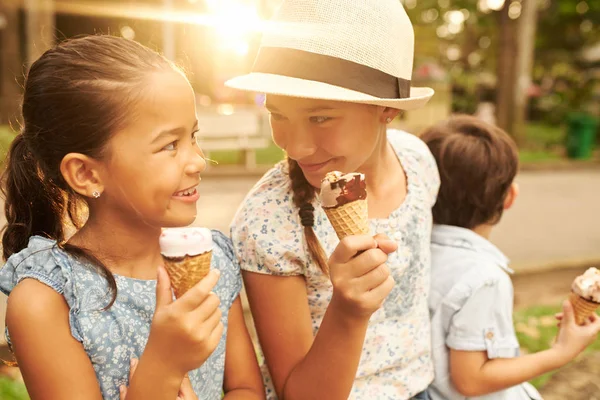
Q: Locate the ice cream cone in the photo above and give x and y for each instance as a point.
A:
(344, 199)
(585, 294)
(186, 272)
(186, 253)
(349, 219)
(582, 308)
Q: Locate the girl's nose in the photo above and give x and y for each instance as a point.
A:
(197, 163)
(299, 145)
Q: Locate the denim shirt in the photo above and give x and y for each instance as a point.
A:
(112, 337)
(470, 303)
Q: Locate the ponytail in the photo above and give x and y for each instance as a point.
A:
(303, 195)
(33, 205)
(36, 205)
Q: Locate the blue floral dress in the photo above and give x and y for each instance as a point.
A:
(112, 337)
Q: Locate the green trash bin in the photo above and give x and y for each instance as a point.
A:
(581, 135)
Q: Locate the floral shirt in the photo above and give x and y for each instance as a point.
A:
(112, 337)
(268, 239)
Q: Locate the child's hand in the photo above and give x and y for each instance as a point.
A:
(361, 280)
(186, 392)
(185, 332)
(572, 339)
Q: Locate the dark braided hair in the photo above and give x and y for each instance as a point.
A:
(304, 194)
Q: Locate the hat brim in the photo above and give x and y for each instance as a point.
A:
(295, 87)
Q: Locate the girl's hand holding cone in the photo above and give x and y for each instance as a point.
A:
(361, 279)
(183, 333)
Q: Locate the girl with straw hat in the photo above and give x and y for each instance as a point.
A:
(339, 319)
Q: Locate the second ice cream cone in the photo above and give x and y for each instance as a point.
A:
(585, 294)
(582, 308)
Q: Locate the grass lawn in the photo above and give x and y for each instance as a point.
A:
(267, 156)
(529, 156)
(12, 390)
(536, 329)
(541, 136)
(543, 143)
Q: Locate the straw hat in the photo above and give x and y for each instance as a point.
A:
(359, 51)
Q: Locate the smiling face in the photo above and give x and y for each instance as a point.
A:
(154, 166)
(324, 136)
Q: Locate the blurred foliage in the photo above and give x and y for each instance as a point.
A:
(564, 81)
(12, 390)
(6, 137)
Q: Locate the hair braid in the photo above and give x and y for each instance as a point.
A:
(304, 194)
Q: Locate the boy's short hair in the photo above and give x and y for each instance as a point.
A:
(478, 163)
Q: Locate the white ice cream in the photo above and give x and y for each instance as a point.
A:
(588, 285)
(181, 242)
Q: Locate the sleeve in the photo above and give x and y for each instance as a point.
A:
(231, 278)
(266, 231)
(484, 322)
(41, 260)
(425, 163)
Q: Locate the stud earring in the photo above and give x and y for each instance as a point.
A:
(388, 120)
(95, 194)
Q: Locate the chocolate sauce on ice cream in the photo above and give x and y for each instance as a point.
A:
(338, 189)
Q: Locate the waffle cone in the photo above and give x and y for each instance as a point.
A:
(349, 219)
(185, 273)
(583, 308)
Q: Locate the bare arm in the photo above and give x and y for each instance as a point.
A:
(473, 374)
(304, 366)
(53, 363)
(301, 365)
(242, 375)
(182, 336)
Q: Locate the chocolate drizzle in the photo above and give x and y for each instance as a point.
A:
(352, 190)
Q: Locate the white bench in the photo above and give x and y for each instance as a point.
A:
(244, 129)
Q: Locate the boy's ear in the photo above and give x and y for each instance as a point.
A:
(511, 196)
(82, 174)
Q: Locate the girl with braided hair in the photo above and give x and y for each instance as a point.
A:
(339, 319)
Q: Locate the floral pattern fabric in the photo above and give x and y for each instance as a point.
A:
(268, 239)
(112, 337)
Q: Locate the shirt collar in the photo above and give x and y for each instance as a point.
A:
(454, 236)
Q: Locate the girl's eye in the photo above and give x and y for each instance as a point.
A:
(319, 119)
(171, 146)
(195, 138)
